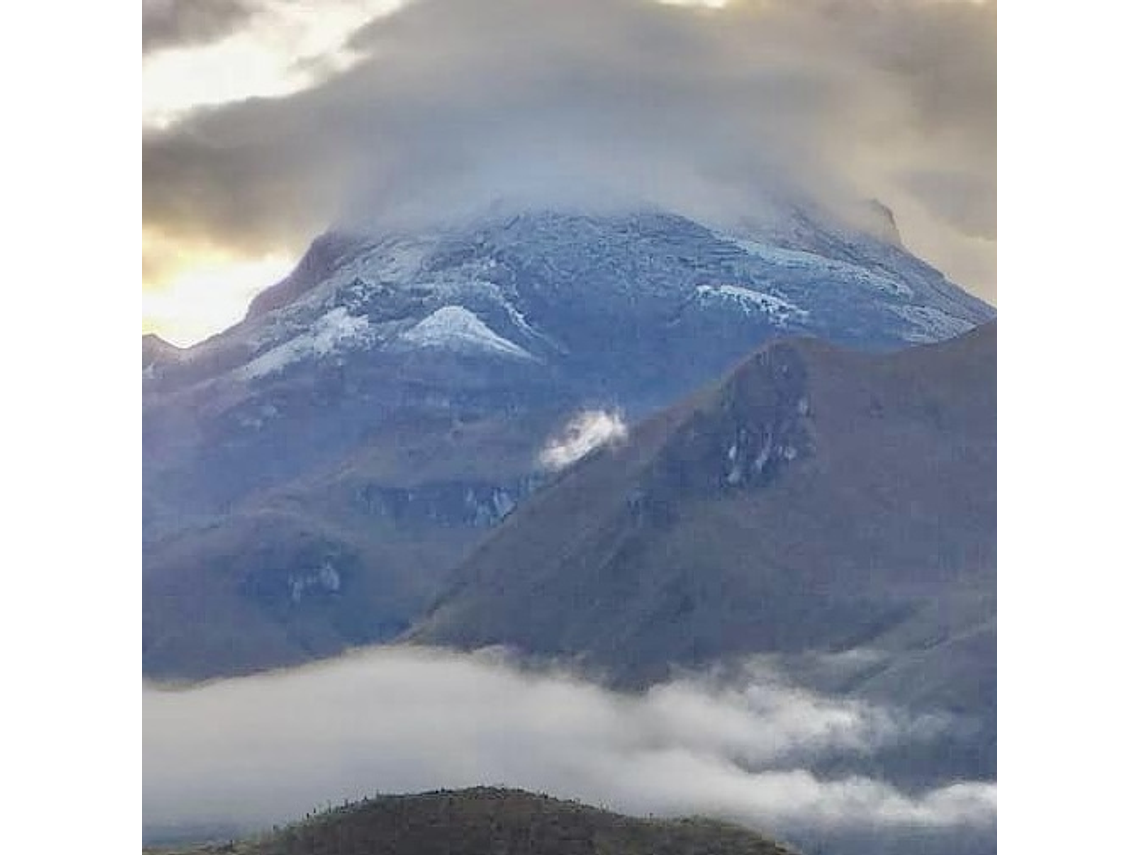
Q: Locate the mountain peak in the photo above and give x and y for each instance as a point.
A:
(156, 349)
(155, 341)
(715, 258)
(317, 264)
(421, 376)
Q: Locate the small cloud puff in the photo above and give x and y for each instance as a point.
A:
(584, 433)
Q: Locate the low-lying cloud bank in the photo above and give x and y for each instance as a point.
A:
(265, 749)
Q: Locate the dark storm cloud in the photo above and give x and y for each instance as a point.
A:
(179, 23)
(597, 102)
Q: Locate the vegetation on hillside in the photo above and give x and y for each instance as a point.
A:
(489, 821)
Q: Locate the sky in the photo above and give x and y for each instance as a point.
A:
(264, 122)
(250, 752)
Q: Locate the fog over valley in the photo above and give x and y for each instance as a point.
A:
(250, 752)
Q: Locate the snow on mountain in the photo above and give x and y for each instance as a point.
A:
(544, 309)
(820, 265)
(551, 287)
(333, 331)
(777, 308)
(392, 398)
(457, 328)
(931, 324)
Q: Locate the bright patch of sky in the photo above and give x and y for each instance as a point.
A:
(209, 296)
(288, 48)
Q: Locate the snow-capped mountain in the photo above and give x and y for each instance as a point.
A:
(390, 399)
(549, 287)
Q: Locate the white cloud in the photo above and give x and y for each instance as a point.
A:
(263, 50)
(442, 105)
(585, 432)
(268, 748)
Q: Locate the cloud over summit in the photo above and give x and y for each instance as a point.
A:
(707, 112)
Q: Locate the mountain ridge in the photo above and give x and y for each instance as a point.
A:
(382, 417)
(817, 501)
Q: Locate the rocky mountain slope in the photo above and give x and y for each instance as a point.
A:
(819, 500)
(310, 474)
